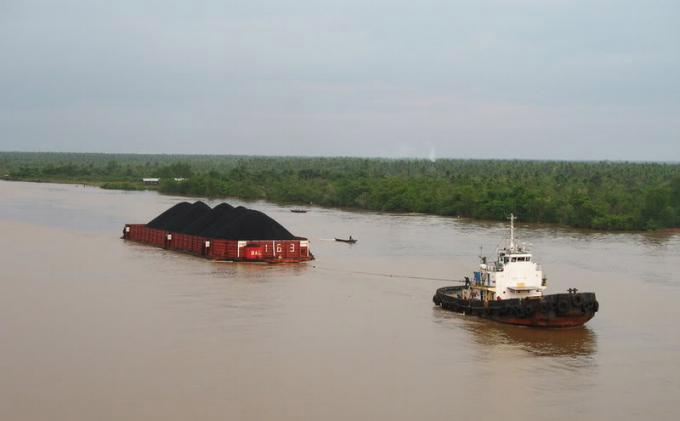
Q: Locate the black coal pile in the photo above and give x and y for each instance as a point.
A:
(209, 221)
(248, 224)
(179, 216)
(223, 221)
(171, 214)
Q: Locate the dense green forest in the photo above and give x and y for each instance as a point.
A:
(600, 195)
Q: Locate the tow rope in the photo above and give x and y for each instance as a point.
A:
(386, 275)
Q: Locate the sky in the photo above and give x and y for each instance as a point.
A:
(508, 79)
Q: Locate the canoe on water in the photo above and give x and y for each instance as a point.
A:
(344, 240)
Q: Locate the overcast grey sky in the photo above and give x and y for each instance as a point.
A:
(550, 79)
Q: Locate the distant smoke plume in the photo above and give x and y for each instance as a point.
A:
(433, 154)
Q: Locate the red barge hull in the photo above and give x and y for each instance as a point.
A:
(551, 311)
(268, 251)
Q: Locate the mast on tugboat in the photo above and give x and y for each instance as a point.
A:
(512, 231)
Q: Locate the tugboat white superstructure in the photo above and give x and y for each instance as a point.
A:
(510, 290)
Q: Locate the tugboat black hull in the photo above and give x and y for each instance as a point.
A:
(554, 310)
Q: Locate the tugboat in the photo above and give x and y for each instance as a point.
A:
(510, 290)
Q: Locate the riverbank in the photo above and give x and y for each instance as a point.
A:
(108, 185)
(608, 196)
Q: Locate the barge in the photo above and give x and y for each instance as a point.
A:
(224, 233)
(269, 251)
(510, 290)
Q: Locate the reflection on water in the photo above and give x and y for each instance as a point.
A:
(659, 238)
(257, 271)
(576, 342)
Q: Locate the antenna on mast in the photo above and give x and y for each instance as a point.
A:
(512, 231)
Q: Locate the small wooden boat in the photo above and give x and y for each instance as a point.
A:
(345, 240)
(299, 210)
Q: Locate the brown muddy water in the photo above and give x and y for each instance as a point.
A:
(94, 328)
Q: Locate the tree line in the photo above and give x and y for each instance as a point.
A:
(600, 195)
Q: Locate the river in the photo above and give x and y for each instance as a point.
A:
(93, 327)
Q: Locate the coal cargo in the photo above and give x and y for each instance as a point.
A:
(197, 210)
(179, 216)
(219, 213)
(221, 233)
(162, 220)
(248, 224)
